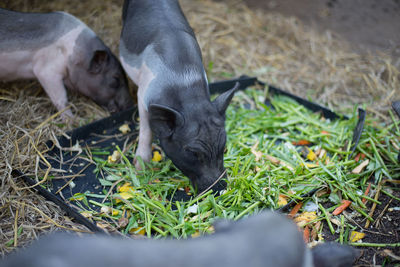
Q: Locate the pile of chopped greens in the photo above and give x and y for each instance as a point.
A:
(274, 154)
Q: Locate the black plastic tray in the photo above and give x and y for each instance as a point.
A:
(104, 133)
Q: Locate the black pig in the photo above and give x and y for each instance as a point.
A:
(160, 53)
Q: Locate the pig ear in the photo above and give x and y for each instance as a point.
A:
(98, 61)
(164, 120)
(223, 100)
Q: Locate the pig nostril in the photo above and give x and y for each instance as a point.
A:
(113, 107)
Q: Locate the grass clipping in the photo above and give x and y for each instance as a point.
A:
(234, 41)
(272, 154)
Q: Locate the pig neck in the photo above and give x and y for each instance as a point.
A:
(197, 109)
(83, 44)
(186, 93)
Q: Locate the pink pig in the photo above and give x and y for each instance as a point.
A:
(60, 51)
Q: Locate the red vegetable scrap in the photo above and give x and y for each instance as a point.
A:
(366, 193)
(306, 234)
(359, 156)
(341, 208)
(301, 143)
(295, 209)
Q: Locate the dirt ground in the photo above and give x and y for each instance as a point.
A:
(369, 25)
(284, 43)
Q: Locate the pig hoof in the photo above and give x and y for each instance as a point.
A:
(138, 165)
(144, 158)
(67, 116)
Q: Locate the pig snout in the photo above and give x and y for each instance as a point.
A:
(204, 168)
(121, 99)
(215, 182)
(120, 102)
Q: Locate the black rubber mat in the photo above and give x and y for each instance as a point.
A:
(67, 153)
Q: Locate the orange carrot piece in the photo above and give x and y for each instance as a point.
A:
(325, 132)
(295, 209)
(341, 208)
(301, 143)
(359, 157)
(366, 193)
(306, 234)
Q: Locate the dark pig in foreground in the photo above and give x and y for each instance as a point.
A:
(59, 50)
(264, 240)
(160, 53)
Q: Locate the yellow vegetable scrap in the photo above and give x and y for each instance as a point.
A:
(127, 187)
(282, 201)
(311, 155)
(124, 129)
(115, 212)
(114, 157)
(126, 195)
(355, 236)
(305, 218)
(156, 156)
(312, 165)
(136, 231)
(108, 210)
(78, 196)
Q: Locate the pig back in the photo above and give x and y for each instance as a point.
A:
(158, 23)
(32, 31)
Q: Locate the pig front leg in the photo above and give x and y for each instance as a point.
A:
(55, 89)
(145, 135)
(51, 79)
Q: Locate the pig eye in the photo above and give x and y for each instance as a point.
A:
(192, 154)
(115, 83)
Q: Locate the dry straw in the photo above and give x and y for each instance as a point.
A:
(234, 40)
